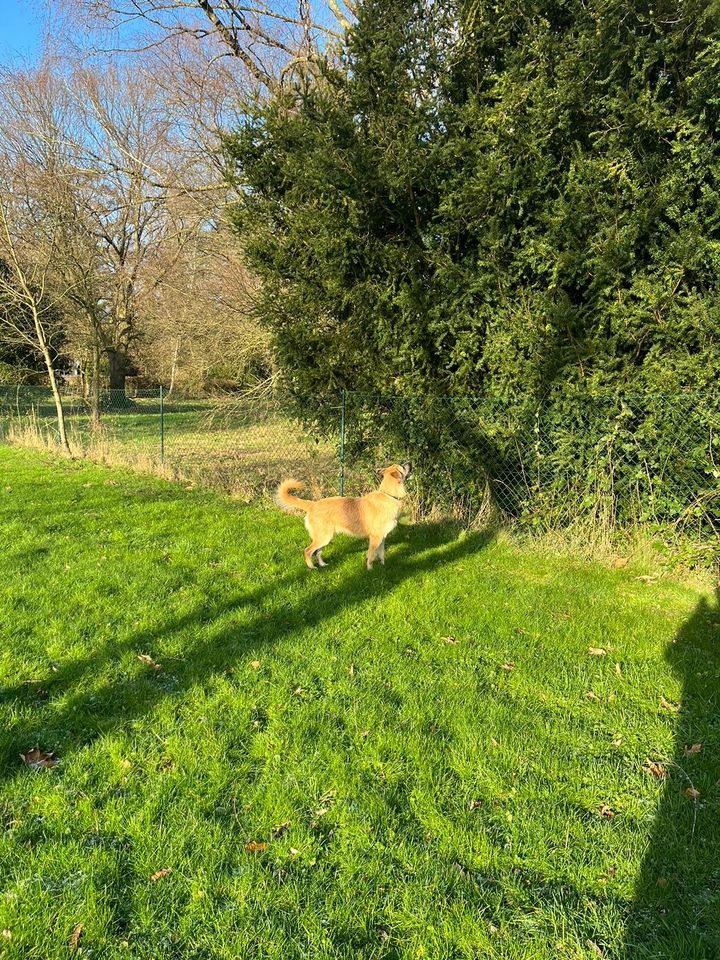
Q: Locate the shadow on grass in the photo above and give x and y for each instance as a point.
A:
(675, 914)
(258, 618)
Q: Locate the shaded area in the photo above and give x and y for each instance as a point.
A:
(675, 913)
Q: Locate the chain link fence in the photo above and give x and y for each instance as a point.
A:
(604, 461)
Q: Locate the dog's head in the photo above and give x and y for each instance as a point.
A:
(393, 479)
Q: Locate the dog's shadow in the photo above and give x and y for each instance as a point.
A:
(217, 635)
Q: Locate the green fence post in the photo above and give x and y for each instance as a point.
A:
(162, 427)
(342, 443)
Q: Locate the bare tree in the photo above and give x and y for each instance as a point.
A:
(268, 38)
(28, 311)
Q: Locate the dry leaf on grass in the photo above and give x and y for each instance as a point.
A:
(668, 705)
(255, 846)
(76, 934)
(160, 874)
(693, 750)
(606, 811)
(509, 665)
(597, 651)
(692, 793)
(255, 664)
(7, 934)
(649, 578)
(452, 640)
(37, 760)
(657, 770)
(591, 696)
(280, 829)
(620, 562)
(148, 661)
(618, 669)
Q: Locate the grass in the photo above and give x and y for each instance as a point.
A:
(423, 761)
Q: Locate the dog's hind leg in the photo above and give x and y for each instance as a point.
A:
(318, 557)
(315, 549)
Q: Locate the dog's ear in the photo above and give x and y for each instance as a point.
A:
(380, 472)
(397, 474)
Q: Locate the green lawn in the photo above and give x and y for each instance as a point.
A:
(423, 761)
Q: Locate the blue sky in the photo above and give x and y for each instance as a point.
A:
(20, 29)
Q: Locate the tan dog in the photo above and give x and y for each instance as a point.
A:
(372, 516)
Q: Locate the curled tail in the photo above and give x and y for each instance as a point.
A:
(286, 501)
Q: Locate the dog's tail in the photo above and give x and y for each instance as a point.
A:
(286, 501)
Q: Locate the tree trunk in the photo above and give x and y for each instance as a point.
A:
(118, 367)
(45, 349)
(173, 369)
(95, 383)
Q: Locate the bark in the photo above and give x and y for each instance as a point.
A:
(118, 367)
(45, 350)
(95, 383)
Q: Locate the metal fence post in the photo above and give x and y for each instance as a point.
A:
(342, 443)
(162, 426)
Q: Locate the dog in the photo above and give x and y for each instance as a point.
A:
(373, 516)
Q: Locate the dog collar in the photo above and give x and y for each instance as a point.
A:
(399, 499)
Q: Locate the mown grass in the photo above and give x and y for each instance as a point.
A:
(423, 761)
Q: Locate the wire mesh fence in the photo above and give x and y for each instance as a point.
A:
(608, 461)
(236, 445)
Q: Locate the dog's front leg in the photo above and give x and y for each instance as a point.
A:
(381, 551)
(372, 551)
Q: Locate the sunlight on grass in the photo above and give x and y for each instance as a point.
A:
(259, 761)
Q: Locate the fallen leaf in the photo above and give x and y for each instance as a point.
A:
(255, 846)
(648, 578)
(298, 691)
(611, 871)
(293, 851)
(668, 705)
(597, 651)
(509, 665)
(148, 661)
(618, 669)
(351, 669)
(76, 934)
(694, 749)
(160, 874)
(280, 829)
(620, 562)
(7, 934)
(474, 804)
(605, 811)
(692, 793)
(452, 640)
(591, 696)
(494, 742)
(655, 769)
(617, 741)
(37, 760)
(255, 664)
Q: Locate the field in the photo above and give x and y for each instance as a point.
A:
(478, 751)
(239, 447)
